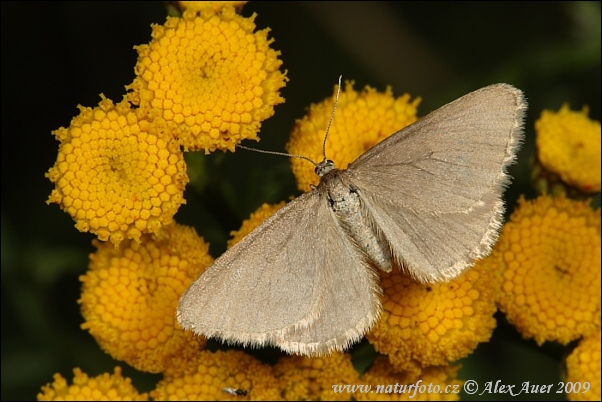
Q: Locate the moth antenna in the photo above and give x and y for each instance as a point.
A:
(334, 109)
(261, 151)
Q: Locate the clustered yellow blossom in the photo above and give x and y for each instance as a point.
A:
(130, 294)
(206, 81)
(362, 120)
(210, 77)
(207, 376)
(583, 366)
(312, 379)
(436, 383)
(568, 144)
(257, 217)
(103, 387)
(423, 325)
(551, 250)
(216, 5)
(116, 174)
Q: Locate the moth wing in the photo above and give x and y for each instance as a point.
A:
(351, 296)
(434, 188)
(278, 280)
(450, 159)
(436, 247)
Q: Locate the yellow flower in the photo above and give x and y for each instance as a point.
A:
(312, 379)
(208, 374)
(210, 77)
(130, 294)
(423, 325)
(551, 250)
(256, 218)
(583, 370)
(216, 5)
(437, 383)
(116, 174)
(568, 144)
(104, 387)
(362, 120)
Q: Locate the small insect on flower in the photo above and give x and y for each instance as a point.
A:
(234, 391)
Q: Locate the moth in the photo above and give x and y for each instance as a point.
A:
(427, 199)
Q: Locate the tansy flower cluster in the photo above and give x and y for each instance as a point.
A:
(208, 376)
(210, 76)
(117, 174)
(129, 296)
(206, 81)
(551, 251)
(583, 368)
(108, 387)
(568, 147)
(311, 379)
(200, 5)
(423, 325)
(435, 383)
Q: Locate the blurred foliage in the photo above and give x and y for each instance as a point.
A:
(56, 55)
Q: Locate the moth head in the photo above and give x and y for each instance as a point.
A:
(324, 167)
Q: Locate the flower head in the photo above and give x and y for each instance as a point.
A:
(303, 378)
(432, 383)
(208, 375)
(568, 144)
(130, 294)
(362, 120)
(583, 368)
(216, 5)
(423, 325)
(551, 251)
(210, 76)
(116, 174)
(108, 387)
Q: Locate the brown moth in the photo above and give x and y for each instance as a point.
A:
(426, 199)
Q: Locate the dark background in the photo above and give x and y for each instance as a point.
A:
(56, 55)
